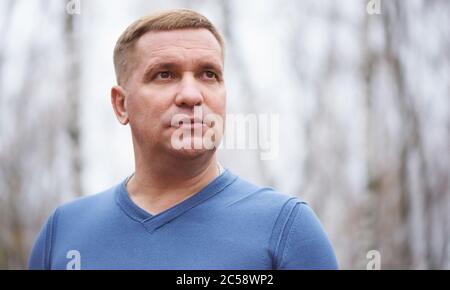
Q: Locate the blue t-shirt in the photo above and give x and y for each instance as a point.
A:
(229, 224)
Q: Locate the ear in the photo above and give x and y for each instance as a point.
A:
(118, 100)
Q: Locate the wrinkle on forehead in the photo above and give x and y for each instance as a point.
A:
(168, 48)
(158, 43)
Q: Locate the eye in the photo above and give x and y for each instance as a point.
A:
(210, 74)
(164, 75)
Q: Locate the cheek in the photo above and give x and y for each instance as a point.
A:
(145, 110)
(217, 103)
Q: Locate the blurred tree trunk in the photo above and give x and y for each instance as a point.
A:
(374, 178)
(73, 98)
(240, 67)
(28, 138)
(421, 205)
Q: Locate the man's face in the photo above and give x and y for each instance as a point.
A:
(174, 74)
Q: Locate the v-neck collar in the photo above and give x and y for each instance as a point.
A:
(153, 222)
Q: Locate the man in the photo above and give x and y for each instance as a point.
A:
(180, 209)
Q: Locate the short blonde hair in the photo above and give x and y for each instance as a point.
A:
(161, 21)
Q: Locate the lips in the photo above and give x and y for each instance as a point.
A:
(189, 122)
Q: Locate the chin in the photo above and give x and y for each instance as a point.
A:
(190, 151)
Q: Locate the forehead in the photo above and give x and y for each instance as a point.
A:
(182, 44)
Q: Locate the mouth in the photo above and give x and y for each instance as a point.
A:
(190, 123)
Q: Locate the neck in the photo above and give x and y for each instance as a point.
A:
(160, 184)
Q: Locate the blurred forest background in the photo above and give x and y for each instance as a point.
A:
(363, 101)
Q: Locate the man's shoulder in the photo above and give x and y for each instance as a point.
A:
(262, 198)
(94, 204)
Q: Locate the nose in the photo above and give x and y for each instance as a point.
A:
(189, 94)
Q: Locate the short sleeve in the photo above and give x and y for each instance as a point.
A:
(303, 243)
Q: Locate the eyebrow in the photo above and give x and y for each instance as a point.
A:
(152, 67)
(204, 65)
(212, 66)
